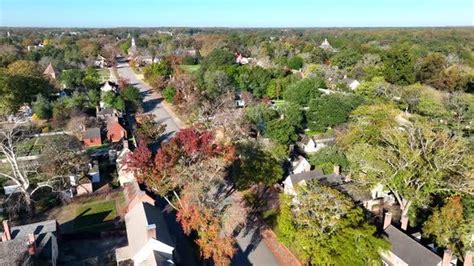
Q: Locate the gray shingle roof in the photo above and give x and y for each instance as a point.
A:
(409, 250)
(92, 133)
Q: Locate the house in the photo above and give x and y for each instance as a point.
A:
(149, 242)
(300, 165)
(311, 145)
(107, 114)
(92, 137)
(124, 175)
(351, 83)
(109, 86)
(240, 59)
(115, 131)
(50, 72)
(406, 250)
(100, 62)
(35, 244)
(325, 45)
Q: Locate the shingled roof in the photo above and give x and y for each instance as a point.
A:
(50, 71)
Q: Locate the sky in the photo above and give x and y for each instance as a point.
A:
(236, 13)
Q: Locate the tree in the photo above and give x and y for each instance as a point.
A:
(255, 166)
(399, 64)
(452, 79)
(346, 58)
(428, 68)
(155, 70)
(169, 92)
(327, 158)
(217, 59)
(331, 110)
(72, 78)
(410, 158)
(295, 62)
(447, 226)
(325, 227)
(24, 174)
(112, 100)
(91, 80)
(24, 68)
(217, 83)
(282, 131)
(42, 107)
(149, 129)
(140, 162)
(132, 94)
(304, 90)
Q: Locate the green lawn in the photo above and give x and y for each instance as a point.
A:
(92, 216)
(190, 68)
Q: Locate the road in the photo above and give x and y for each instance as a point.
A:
(151, 101)
(251, 250)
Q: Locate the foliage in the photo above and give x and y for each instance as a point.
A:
(304, 90)
(346, 58)
(217, 83)
(132, 94)
(259, 115)
(189, 60)
(428, 68)
(327, 158)
(149, 129)
(42, 107)
(140, 161)
(24, 68)
(72, 78)
(399, 64)
(217, 59)
(326, 228)
(113, 100)
(295, 62)
(155, 70)
(447, 225)
(253, 79)
(331, 110)
(168, 93)
(255, 166)
(281, 131)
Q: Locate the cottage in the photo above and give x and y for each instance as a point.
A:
(241, 60)
(311, 145)
(109, 86)
(406, 250)
(100, 61)
(351, 83)
(50, 72)
(107, 114)
(149, 242)
(92, 137)
(35, 243)
(300, 165)
(115, 131)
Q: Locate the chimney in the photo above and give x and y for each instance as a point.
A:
(447, 256)
(387, 220)
(468, 259)
(31, 244)
(6, 228)
(4, 237)
(151, 229)
(337, 169)
(125, 144)
(404, 222)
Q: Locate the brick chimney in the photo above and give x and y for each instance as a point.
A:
(447, 256)
(151, 230)
(337, 169)
(404, 222)
(387, 220)
(6, 228)
(468, 259)
(4, 237)
(31, 244)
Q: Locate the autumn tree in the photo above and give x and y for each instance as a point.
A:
(149, 129)
(324, 227)
(409, 157)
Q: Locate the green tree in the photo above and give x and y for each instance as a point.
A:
(24, 68)
(42, 107)
(331, 110)
(169, 92)
(327, 158)
(72, 78)
(132, 94)
(399, 65)
(304, 90)
(259, 115)
(295, 62)
(281, 131)
(428, 68)
(409, 157)
(155, 70)
(217, 59)
(346, 58)
(217, 83)
(327, 228)
(255, 166)
(94, 97)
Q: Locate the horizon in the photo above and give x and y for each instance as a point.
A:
(235, 14)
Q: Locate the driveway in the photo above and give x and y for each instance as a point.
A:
(151, 101)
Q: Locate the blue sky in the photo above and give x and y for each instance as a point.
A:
(234, 13)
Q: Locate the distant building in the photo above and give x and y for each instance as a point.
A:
(327, 46)
(29, 244)
(106, 114)
(92, 137)
(300, 165)
(149, 242)
(310, 145)
(50, 72)
(100, 62)
(351, 83)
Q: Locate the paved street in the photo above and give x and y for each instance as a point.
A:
(251, 249)
(151, 102)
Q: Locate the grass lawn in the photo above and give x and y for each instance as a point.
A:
(190, 68)
(89, 216)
